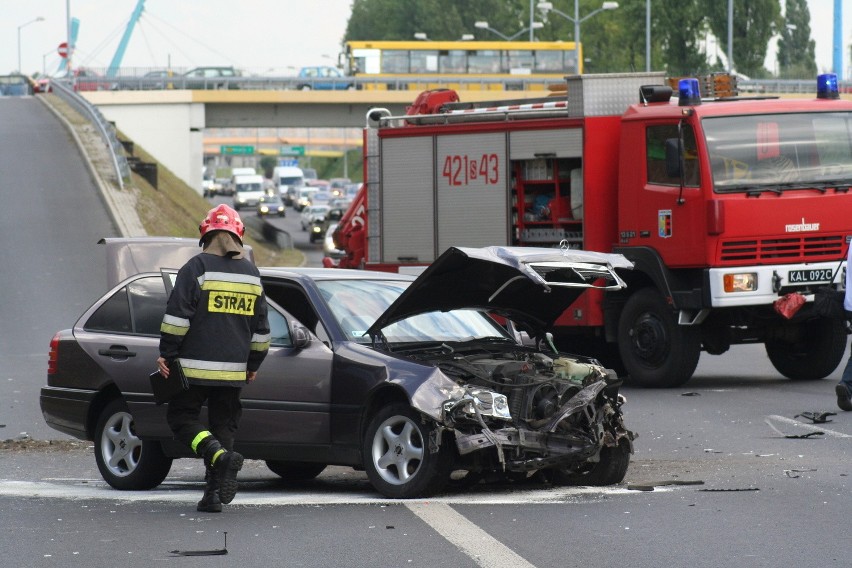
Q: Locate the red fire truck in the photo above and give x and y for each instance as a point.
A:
(723, 203)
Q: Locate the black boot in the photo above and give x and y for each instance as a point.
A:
(225, 465)
(226, 468)
(210, 502)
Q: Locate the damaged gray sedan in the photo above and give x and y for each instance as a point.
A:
(413, 380)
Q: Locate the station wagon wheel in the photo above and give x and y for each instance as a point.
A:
(398, 460)
(295, 471)
(610, 470)
(125, 461)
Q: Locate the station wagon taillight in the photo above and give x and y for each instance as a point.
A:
(53, 355)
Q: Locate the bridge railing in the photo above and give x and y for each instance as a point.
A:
(414, 83)
(105, 128)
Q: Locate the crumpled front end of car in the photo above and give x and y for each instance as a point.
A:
(520, 410)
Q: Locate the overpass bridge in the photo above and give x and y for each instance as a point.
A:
(170, 124)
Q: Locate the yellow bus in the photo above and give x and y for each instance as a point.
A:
(418, 65)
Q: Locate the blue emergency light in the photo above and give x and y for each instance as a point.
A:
(688, 92)
(827, 86)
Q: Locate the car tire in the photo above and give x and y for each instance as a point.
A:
(295, 471)
(125, 461)
(610, 470)
(655, 350)
(397, 457)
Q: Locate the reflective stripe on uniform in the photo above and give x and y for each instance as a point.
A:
(227, 282)
(260, 342)
(213, 370)
(174, 325)
(198, 439)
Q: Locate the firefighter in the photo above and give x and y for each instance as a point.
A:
(216, 327)
(844, 387)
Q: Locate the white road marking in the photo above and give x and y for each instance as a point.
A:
(176, 491)
(810, 427)
(484, 549)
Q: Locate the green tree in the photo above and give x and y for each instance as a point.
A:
(680, 27)
(755, 22)
(796, 49)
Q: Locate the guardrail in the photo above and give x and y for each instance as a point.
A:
(401, 83)
(105, 129)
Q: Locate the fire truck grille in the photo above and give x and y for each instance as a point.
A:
(783, 249)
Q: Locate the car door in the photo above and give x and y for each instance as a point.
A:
(290, 399)
(121, 334)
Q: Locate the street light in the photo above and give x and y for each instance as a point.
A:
(485, 26)
(548, 7)
(39, 19)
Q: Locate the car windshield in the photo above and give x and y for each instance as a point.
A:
(292, 181)
(357, 304)
(780, 151)
(241, 187)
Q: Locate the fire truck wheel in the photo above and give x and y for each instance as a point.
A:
(397, 455)
(813, 352)
(656, 351)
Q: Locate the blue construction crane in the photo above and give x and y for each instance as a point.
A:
(75, 28)
(112, 70)
(837, 48)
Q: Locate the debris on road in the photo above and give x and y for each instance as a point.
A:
(793, 436)
(650, 485)
(820, 417)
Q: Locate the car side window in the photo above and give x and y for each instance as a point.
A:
(113, 315)
(147, 304)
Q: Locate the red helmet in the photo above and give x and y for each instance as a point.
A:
(222, 218)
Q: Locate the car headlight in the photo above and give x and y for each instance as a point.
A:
(264, 209)
(485, 402)
(740, 282)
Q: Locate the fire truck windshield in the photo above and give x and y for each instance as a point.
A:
(779, 151)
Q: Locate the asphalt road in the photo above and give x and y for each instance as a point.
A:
(759, 499)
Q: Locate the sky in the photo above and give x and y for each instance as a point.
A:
(260, 37)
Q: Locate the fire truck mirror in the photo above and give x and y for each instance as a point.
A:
(673, 160)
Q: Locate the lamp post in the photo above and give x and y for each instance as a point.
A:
(577, 20)
(39, 19)
(484, 26)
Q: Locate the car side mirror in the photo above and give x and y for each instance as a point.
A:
(673, 158)
(300, 337)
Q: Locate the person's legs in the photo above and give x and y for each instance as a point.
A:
(183, 415)
(224, 410)
(844, 387)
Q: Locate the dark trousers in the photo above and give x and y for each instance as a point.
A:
(224, 410)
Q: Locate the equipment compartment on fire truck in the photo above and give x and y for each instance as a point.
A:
(547, 201)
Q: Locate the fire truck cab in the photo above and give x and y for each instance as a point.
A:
(723, 203)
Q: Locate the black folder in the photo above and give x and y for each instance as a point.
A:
(164, 388)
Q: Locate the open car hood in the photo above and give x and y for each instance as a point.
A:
(530, 286)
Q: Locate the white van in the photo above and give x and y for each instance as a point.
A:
(286, 179)
(247, 190)
(228, 189)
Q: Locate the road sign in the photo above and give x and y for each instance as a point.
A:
(236, 150)
(292, 150)
(62, 50)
